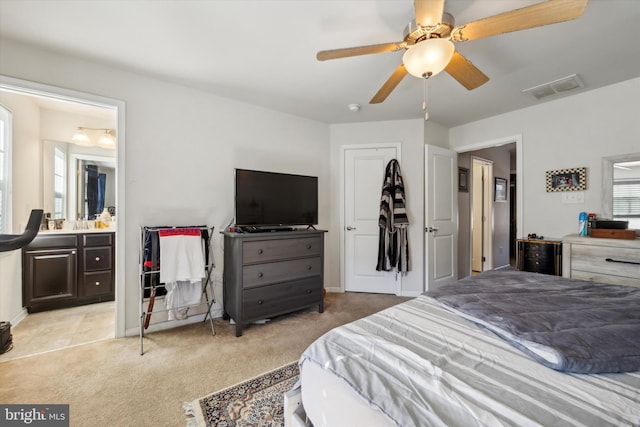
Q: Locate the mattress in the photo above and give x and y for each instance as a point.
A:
(419, 364)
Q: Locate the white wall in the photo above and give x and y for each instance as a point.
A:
(26, 195)
(410, 133)
(569, 132)
(182, 146)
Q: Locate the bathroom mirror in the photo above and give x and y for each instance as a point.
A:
(78, 182)
(622, 170)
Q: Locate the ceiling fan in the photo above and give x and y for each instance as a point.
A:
(428, 40)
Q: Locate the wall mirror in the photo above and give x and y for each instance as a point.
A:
(78, 182)
(621, 188)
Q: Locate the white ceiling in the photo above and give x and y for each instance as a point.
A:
(263, 51)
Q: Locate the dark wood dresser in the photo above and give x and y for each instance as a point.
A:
(271, 273)
(539, 256)
(68, 269)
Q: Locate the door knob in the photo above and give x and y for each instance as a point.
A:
(431, 229)
(349, 228)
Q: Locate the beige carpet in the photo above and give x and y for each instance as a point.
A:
(52, 330)
(109, 383)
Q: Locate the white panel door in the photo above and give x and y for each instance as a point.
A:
(363, 176)
(441, 216)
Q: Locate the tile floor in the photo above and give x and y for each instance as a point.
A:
(56, 329)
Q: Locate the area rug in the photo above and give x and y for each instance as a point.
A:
(258, 402)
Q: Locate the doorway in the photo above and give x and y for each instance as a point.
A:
(481, 214)
(58, 101)
(363, 169)
(507, 215)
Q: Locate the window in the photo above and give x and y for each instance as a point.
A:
(626, 201)
(5, 168)
(58, 183)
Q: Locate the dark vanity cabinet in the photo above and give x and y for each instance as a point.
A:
(66, 270)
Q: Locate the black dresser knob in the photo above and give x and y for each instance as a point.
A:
(260, 301)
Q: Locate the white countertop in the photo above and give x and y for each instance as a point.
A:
(111, 229)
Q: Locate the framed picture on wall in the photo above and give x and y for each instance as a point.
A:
(574, 179)
(463, 180)
(500, 190)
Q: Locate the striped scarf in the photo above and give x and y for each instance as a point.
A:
(393, 244)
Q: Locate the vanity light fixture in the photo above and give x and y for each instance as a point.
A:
(106, 140)
(81, 137)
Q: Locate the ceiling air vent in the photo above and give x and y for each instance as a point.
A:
(556, 87)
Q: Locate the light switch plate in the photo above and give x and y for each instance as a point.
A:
(573, 197)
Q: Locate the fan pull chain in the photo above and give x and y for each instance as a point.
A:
(426, 93)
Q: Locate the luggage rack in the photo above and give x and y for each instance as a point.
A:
(149, 271)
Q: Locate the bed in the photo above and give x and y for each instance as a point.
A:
(446, 359)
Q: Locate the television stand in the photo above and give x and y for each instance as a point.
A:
(269, 274)
(265, 229)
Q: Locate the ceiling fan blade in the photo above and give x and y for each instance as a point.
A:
(428, 12)
(389, 85)
(549, 12)
(461, 69)
(324, 55)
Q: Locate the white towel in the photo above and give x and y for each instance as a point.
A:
(181, 269)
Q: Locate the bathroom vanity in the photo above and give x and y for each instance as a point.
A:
(68, 268)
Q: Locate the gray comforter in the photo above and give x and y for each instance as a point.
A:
(567, 325)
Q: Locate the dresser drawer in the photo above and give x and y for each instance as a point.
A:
(105, 239)
(97, 259)
(281, 271)
(43, 241)
(607, 264)
(268, 301)
(99, 283)
(277, 249)
(540, 265)
(538, 251)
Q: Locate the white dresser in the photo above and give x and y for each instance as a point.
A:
(614, 261)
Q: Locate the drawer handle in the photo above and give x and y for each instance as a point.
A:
(260, 274)
(622, 261)
(260, 301)
(308, 246)
(97, 283)
(97, 258)
(309, 291)
(309, 267)
(260, 251)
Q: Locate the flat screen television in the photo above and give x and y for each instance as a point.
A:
(269, 199)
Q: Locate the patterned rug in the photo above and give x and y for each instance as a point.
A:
(258, 402)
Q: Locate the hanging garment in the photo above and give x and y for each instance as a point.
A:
(91, 190)
(393, 244)
(182, 261)
(102, 184)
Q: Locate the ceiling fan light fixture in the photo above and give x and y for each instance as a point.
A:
(428, 57)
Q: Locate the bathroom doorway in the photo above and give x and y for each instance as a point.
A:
(481, 214)
(55, 106)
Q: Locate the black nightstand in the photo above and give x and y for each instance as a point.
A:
(540, 256)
